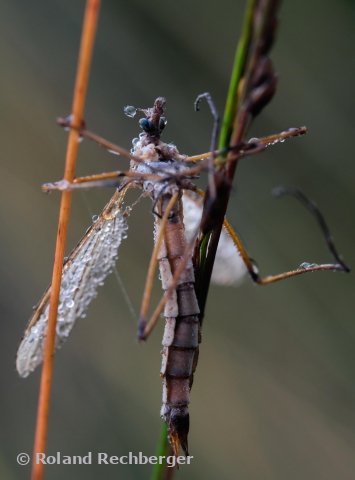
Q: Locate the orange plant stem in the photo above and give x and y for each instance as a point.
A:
(82, 76)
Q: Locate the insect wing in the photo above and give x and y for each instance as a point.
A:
(228, 268)
(84, 271)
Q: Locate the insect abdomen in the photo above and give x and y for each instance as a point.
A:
(181, 334)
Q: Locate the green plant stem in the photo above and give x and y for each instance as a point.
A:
(159, 469)
(204, 272)
(237, 73)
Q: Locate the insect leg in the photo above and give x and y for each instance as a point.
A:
(154, 209)
(102, 142)
(207, 96)
(254, 145)
(215, 132)
(152, 268)
(106, 179)
(304, 267)
(177, 274)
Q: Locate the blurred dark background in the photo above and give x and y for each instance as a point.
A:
(274, 392)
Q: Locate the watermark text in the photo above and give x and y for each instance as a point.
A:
(104, 458)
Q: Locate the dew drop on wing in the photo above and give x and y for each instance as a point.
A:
(81, 278)
(70, 303)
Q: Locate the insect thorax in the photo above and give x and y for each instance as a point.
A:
(161, 160)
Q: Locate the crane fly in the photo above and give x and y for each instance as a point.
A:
(163, 174)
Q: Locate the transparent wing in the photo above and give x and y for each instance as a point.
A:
(85, 270)
(229, 268)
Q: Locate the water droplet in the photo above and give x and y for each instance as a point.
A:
(255, 267)
(94, 218)
(130, 111)
(68, 119)
(70, 303)
(306, 265)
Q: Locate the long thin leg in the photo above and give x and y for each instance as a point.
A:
(102, 142)
(106, 179)
(152, 268)
(254, 144)
(216, 120)
(314, 210)
(109, 179)
(215, 131)
(178, 272)
(117, 150)
(304, 267)
(251, 147)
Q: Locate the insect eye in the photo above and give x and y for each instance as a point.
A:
(145, 125)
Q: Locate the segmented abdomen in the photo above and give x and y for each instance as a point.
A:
(182, 329)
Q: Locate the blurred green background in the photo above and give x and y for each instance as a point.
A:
(274, 391)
